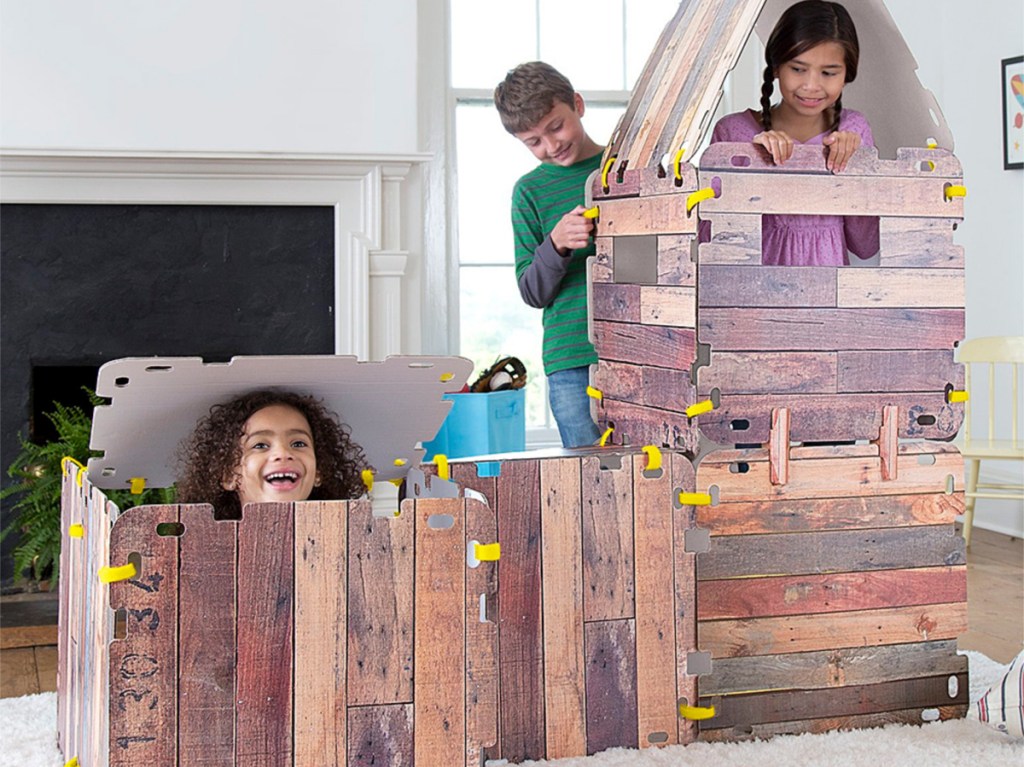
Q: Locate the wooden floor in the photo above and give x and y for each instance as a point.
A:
(995, 603)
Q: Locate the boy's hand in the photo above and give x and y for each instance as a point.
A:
(778, 144)
(572, 231)
(841, 146)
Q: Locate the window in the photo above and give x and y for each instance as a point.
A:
(603, 52)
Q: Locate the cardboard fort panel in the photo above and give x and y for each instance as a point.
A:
(643, 312)
(307, 632)
(833, 599)
(595, 610)
(833, 344)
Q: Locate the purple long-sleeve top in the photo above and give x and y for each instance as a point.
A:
(807, 240)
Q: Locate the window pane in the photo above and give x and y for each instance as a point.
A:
(496, 323)
(644, 21)
(488, 39)
(489, 163)
(583, 41)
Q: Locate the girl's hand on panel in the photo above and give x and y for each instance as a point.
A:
(777, 144)
(840, 147)
(572, 231)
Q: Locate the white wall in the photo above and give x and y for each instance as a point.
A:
(193, 75)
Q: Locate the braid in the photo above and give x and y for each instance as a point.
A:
(767, 87)
(837, 112)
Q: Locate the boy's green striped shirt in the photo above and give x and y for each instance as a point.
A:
(539, 201)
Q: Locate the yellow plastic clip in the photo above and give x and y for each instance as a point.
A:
(76, 531)
(931, 143)
(446, 377)
(72, 762)
(694, 410)
(606, 435)
(113, 574)
(696, 713)
(694, 499)
(81, 469)
(442, 465)
(604, 173)
(699, 196)
(677, 164)
(957, 395)
(595, 393)
(653, 458)
(487, 552)
(400, 462)
(367, 479)
(955, 190)
(397, 482)
(592, 213)
(137, 485)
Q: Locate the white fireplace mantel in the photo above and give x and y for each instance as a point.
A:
(364, 191)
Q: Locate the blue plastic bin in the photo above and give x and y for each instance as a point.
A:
(481, 424)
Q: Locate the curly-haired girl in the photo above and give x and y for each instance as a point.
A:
(268, 446)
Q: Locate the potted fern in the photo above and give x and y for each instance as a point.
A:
(37, 470)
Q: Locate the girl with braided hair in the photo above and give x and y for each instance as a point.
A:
(813, 52)
(268, 446)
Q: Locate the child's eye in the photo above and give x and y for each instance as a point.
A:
(300, 443)
(259, 446)
(556, 127)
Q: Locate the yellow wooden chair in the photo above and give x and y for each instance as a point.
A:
(1001, 359)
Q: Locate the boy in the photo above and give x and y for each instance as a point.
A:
(538, 106)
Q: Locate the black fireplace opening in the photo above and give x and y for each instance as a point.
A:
(85, 284)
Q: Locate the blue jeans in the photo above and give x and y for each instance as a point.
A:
(567, 393)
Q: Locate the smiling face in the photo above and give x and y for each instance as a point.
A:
(811, 82)
(558, 137)
(278, 461)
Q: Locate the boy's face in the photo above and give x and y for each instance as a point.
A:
(558, 137)
(278, 461)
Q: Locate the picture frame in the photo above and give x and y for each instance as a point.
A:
(1012, 84)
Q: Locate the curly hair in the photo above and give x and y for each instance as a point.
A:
(529, 92)
(214, 450)
(801, 27)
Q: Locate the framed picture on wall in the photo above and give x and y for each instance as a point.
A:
(1013, 112)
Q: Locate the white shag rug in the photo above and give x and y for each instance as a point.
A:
(28, 727)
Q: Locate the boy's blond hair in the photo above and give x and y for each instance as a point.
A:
(529, 92)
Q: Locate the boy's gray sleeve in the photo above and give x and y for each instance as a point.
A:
(540, 283)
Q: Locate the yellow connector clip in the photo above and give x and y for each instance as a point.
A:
(400, 462)
(592, 213)
(81, 469)
(113, 574)
(72, 762)
(696, 713)
(595, 393)
(694, 499)
(446, 377)
(697, 408)
(955, 190)
(606, 435)
(76, 531)
(442, 465)
(604, 173)
(699, 196)
(137, 485)
(367, 476)
(957, 395)
(487, 552)
(677, 164)
(653, 458)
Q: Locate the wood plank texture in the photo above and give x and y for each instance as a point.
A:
(639, 425)
(206, 643)
(143, 665)
(665, 214)
(440, 610)
(561, 556)
(380, 735)
(672, 306)
(780, 286)
(769, 373)
(735, 239)
(264, 691)
(685, 577)
(380, 607)
(607, 540)
(655, 345)
(481, 637)
(321, 631)
(611, 716)
(919, 242)
(675, 262)
(900, 287)
(806, 633)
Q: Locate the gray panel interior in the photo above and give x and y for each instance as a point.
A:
(389, 406)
